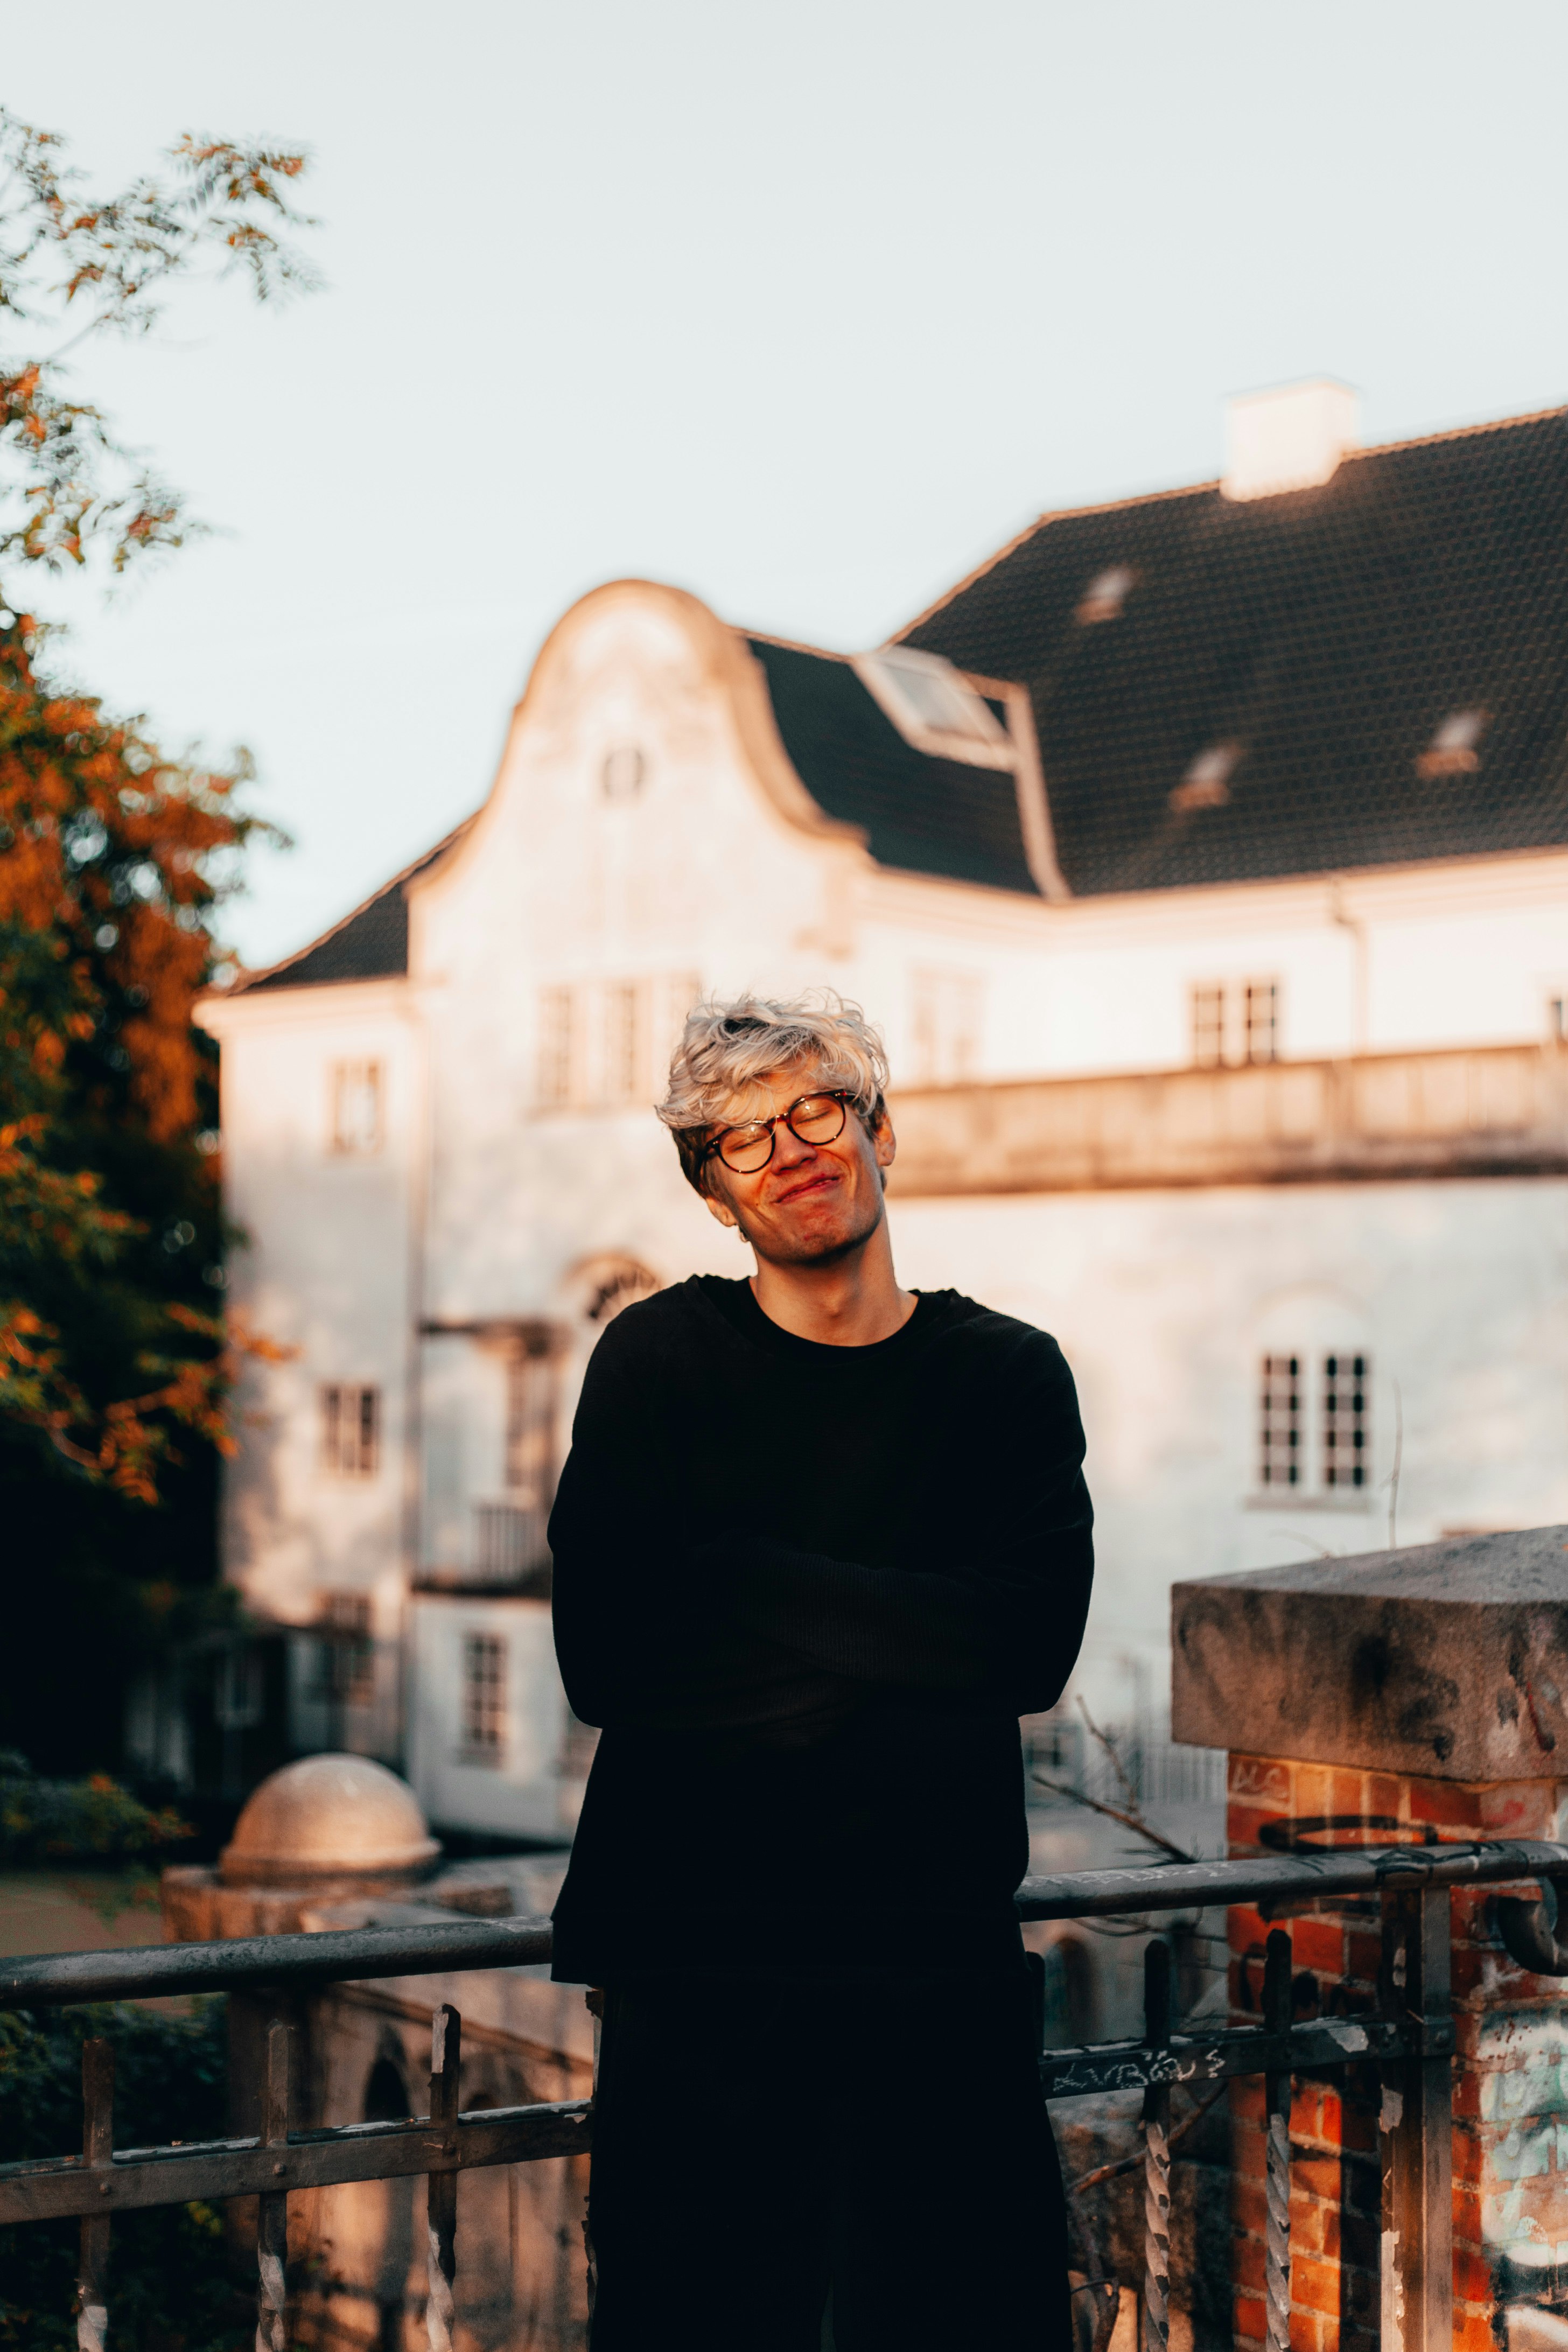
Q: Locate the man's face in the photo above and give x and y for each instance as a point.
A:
(813, 1202)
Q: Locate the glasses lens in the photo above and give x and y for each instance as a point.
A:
(817, 1119)
(746, 1149)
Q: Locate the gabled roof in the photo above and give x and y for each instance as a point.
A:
(1380, 665)
(922, 814)
(369, 944)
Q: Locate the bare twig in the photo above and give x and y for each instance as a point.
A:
(1128, 2163)
(1108, 1744)
(1133, 1822)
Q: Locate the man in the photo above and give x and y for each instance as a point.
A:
(819, 1542)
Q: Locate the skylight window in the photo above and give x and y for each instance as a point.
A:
(1207, 784)
(1452, 749)
(933, 707)
(1107, 592)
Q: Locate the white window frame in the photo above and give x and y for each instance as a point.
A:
(349, 1428)
(354, 1084)
(483, 1707)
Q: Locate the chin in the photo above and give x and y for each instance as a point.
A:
(815, 1245)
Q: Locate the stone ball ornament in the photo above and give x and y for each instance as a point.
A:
(328, 1817)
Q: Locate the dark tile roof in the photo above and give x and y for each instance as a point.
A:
(1326, 633)
(369, 944)
(926, 815)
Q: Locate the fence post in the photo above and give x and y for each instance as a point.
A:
(1277, 2122)
(1416, 2125)
(1157, 2154)
(441, 2188)
(272, 2211)
(98, 2149)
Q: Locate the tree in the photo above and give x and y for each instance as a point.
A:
(115, 1357)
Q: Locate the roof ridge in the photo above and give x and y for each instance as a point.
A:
(1196, 489)
(794, 644)
(1052, 514)
(251, 978)
(1456, 433)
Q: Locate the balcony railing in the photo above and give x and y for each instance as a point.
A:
(1494, 1110)
(1412, 2038)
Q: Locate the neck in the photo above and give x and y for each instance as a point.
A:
(847, 1302)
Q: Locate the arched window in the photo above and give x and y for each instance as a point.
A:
(386, 2094)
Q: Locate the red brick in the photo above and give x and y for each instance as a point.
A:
(1347, 1793)
(1447, 1804)
(1318, 1943)
(1473, 2332)
(1246, 2154)
(1475, 1971)
(1306, 2332)
(1246, 2101)
(1314, 2284)
(1385, 1794)
(1244, 1927)
(1248, 2263)
(1467, 2093)
(1306, 2111)
(1251, 2320)
(1319, 2175)
(1244, 1822)
(1363, 1956)
(1472, 2276)
(1249, 2207)
(1307, 2225)
(1469, 2157)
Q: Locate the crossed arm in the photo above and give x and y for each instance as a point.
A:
(657, 1629)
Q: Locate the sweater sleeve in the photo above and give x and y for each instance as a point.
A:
(1005, 1621)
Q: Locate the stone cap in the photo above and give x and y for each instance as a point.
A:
(328, 1817)
(1449, 1661)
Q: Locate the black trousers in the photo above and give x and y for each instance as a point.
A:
(784, 2165)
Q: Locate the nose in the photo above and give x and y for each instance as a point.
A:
(789, 1151)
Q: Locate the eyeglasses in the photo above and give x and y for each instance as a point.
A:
(812, 1119)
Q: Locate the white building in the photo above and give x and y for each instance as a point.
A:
(1204, 859)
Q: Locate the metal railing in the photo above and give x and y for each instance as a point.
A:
(1410, 2036)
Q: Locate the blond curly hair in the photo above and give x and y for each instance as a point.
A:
(725, 1046)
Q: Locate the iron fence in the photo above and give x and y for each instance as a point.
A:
(1410, 2037)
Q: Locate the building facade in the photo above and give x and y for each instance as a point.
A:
(1204, 860)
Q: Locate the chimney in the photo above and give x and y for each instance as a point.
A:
(1288, 439)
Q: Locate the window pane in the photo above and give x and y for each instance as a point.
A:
(356, 1106)
(1262, 1020)
(1208, 1026)
(484, 1696)
(351, 1431)
(622, 1042)
(556, 1044)
(1279, 1425)
(1347, 1383)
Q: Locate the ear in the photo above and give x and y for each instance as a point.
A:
(720, 1209)
(885, 1142)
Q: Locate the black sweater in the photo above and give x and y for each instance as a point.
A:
(808, 1591)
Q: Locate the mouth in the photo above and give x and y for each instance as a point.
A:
(823, 1182)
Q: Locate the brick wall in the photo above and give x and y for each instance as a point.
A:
(1510, 2090)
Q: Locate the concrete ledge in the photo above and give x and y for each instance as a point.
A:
(1447, 1661)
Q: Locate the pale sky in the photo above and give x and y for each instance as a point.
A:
(806, 310)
